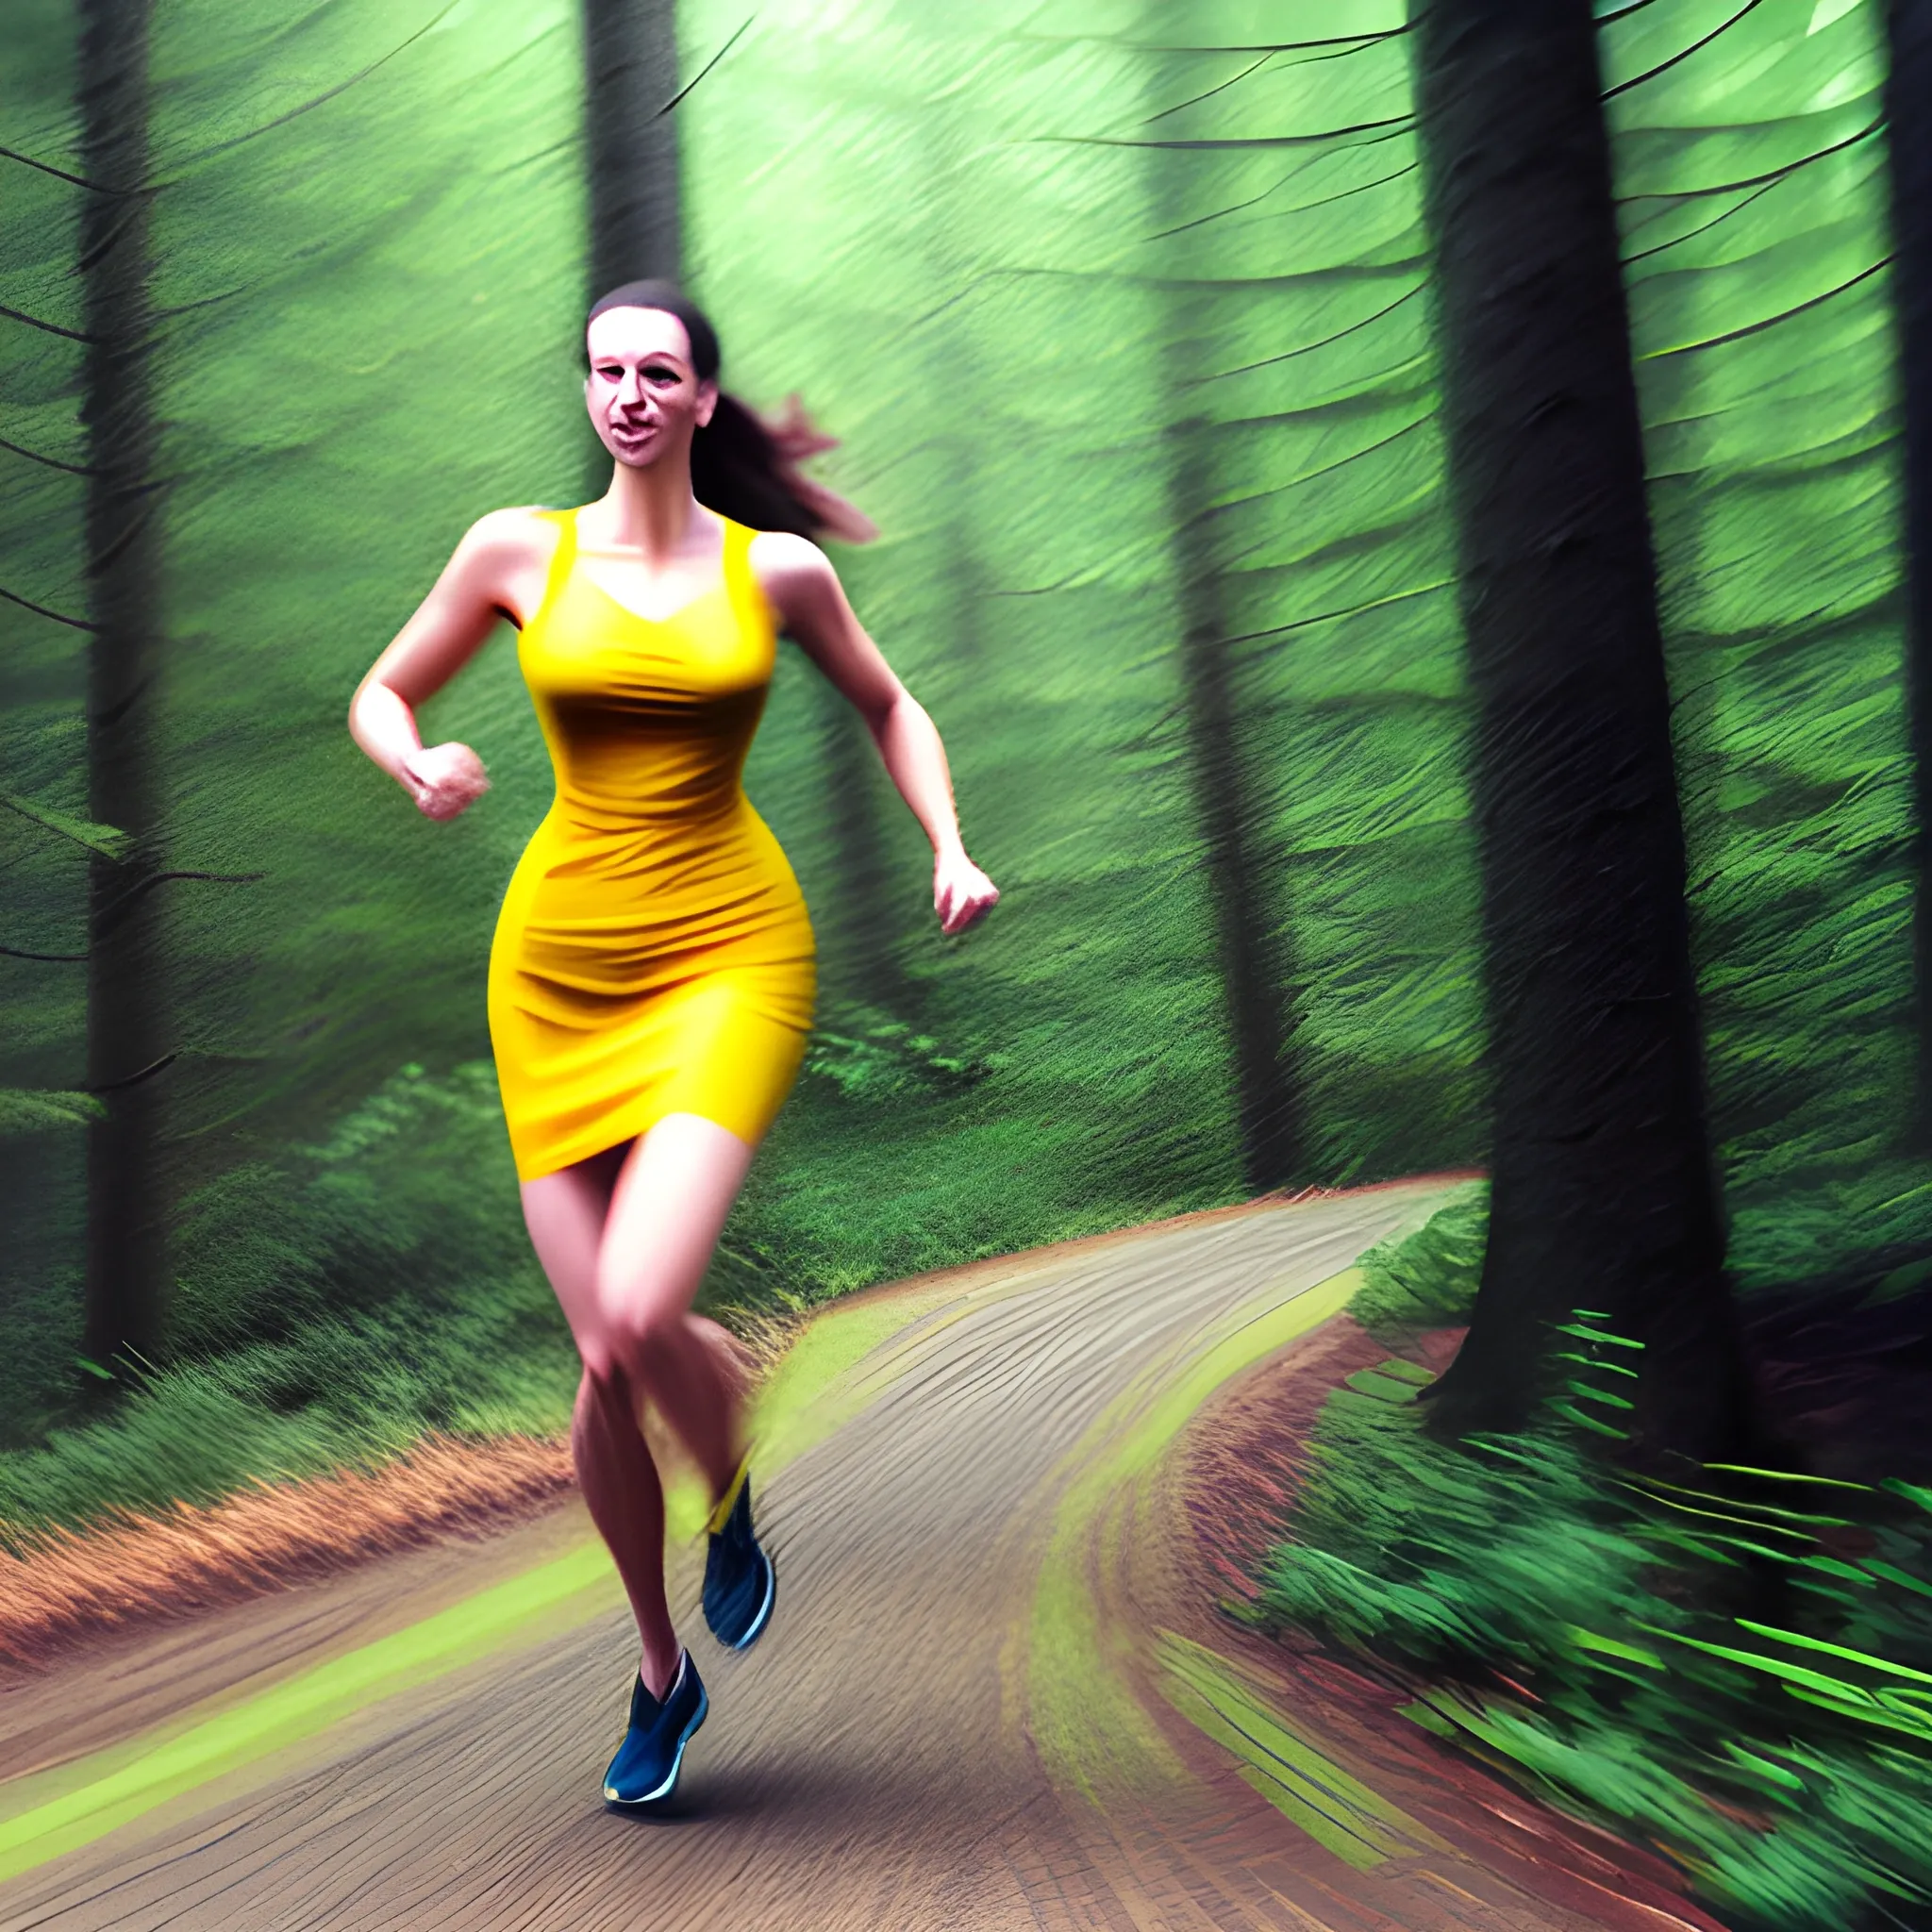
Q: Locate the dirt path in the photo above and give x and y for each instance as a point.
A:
(986, 1699)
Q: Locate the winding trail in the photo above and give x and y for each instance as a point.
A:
(993, 1695)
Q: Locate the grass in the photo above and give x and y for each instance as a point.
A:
(1739, 1671)
(345, 1303)
(1428, 1280)
(330, 1312)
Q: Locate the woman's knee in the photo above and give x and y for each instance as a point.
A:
(644, 1344)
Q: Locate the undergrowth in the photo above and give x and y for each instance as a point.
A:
(1739, 1671)
(332, 1307)
(1430, 1280)
(329, 1310)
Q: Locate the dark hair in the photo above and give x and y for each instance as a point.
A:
(737, 468)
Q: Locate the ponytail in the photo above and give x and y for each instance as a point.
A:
(742, 466)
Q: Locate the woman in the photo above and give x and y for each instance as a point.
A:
(651, 981)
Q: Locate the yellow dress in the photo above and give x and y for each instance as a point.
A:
(653, 954)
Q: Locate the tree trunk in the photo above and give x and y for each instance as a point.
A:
(630, 79)
(126, 1260)
(1603, 1195)
(1909, 113)
(1252, 951)
(1251, 956)
(874, 884)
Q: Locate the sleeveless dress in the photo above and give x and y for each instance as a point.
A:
(653, 954)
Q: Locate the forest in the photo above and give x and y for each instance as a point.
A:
(1425, 573)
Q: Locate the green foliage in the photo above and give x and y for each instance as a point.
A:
(1752, 184)
(1737, 1671)
(370, 303)
(106, 840)
(329, 1309)
(1427, 1279)
(869, 1056)
(374, 1218)
(340, 1392)
(23, 1111)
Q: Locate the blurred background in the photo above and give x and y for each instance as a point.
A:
(1123, 315)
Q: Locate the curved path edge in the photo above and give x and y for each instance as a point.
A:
(995, 1693)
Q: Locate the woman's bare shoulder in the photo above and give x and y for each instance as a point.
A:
(780, 560)
(505, 556)
(798, 581)
(516, 535)
(502, 561)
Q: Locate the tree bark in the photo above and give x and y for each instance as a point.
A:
(866, 943)
(1908, 115)
(630, 79)
(1253, 966)
(126, 1260)
(1603, 1192)
(1252, 948)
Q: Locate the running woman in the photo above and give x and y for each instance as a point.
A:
(652, 975)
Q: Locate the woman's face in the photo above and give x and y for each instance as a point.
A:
(642, 393)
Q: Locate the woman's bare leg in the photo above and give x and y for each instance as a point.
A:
(565, 1213)
(625, 1499)
(666, 1214)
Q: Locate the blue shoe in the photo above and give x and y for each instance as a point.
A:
(645, 1772)
(740, 1582)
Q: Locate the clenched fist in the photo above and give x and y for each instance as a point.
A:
(445, 779)
(960, 892)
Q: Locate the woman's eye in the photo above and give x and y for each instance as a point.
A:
(660, 374)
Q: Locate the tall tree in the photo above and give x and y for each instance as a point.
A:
(1603, 1192)
(630, 83)
(1908, 114)
(126, 1261)
(1252, 948)
(1251, 953)
(876, 888)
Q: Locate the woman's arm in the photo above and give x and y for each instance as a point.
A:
(811, 602)
(488, 578)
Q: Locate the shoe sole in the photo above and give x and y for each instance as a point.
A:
(764, 1615)
(664, 1793)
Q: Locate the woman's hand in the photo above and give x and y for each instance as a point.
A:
(960, 892)
(445, 779)
(805, 591)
